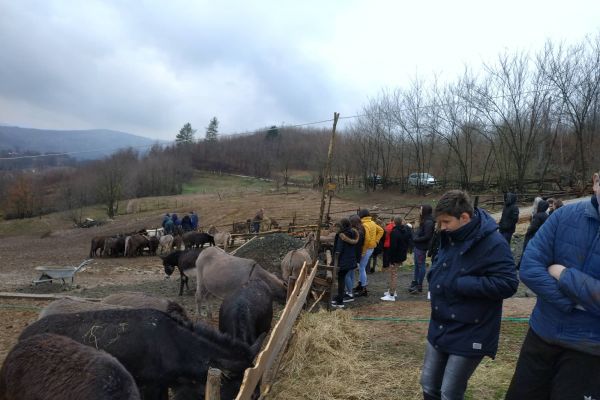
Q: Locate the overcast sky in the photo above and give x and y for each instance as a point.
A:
(147, 67)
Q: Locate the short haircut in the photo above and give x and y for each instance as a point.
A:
(344, 224)
(397, 220)
(363, 213)
(454, 203)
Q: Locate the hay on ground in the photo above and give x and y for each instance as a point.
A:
(331, 356)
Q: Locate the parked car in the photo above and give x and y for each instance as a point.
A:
(421, 179)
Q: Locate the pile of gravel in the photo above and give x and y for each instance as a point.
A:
(269, 250)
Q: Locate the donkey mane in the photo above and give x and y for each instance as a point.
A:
(222, 339)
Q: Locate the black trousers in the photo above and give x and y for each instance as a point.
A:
(386, 257)
(549, 372)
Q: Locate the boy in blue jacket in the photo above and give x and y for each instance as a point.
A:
(560, 357)
(472, 274)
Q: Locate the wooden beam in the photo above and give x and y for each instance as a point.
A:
(34, 296)
(213, 385)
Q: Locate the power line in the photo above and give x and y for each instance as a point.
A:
(427, 106)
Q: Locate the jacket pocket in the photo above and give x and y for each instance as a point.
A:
(470, 312)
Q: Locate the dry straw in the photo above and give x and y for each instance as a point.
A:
(332, 356)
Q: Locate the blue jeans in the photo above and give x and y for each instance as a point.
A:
(350, 280)
(445, 376)
(362, 267)
(420, 266)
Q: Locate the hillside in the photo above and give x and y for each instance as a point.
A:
(94, 143)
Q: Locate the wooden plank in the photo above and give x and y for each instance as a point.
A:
(235, 251)
(34, 296)
(213, 385)
(268, 358)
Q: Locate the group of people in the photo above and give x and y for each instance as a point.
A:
(173, 225)
(473, 271)
(540, 211)
(361, 239)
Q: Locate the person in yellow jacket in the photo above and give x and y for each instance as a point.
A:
(373, 233)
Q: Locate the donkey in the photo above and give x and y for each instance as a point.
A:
(219, 274)
(156, 349)
(197, 239)
(183, 260)
(97, 244)
(292, 262)
(49, 366)
(247, 312)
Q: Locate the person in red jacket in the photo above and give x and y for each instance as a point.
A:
(386, 244)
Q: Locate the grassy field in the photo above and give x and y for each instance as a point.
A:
(206, 182)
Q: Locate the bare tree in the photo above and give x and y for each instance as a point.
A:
(575, 72)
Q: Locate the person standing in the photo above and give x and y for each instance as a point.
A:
(400, 242)
(373, 233)
(422, 241)
(510, 216)
(344, 249)
(194, 220)
(165, 219)
(473, 273)
(560, 356)
(536, 222)
(260, 214)
(186, 223)
(356, 224)
(169, 226)
(386, 243)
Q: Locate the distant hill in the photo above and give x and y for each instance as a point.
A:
(92, 143)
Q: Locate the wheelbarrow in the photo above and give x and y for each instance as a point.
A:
(50, 273)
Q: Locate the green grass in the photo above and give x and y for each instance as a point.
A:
(206, 182)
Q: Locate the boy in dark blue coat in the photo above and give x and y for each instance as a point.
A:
(474, 271)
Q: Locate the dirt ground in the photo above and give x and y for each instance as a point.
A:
(56, 242)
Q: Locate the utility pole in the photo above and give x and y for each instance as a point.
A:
(327, 178)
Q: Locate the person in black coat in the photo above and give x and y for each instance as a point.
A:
(473, 273)
(537, 221)
(186, 223)
(400, 242)
(510, 216)
(422, 240)
(356, 223)
(345, 252)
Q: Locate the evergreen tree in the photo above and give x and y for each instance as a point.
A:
(186, 134)
(273, 132)
(212, 131)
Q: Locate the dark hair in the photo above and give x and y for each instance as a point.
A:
(344, 224)
(397, 220)
(363, 213)
(454, 203)
(558, 204)
(355, 222)
(426, 211)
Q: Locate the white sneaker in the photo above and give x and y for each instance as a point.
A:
(388, 298)
(387, 293)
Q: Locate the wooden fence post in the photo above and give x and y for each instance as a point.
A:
(213, 385)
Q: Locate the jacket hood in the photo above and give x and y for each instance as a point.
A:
(510, 199)
(542, 206)
(480, 226)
